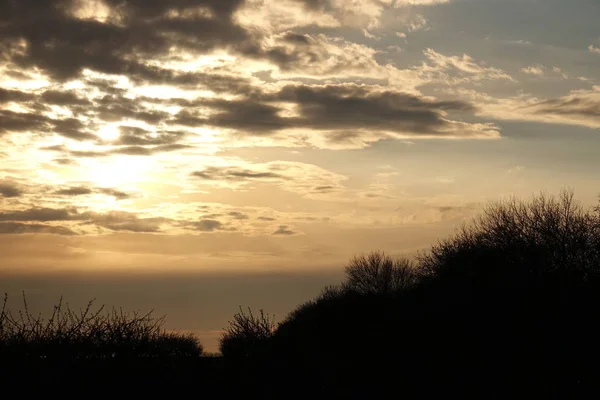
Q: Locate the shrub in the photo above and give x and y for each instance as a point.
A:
(523, 242)
(378, 273)
(247, 334)
(90, 334)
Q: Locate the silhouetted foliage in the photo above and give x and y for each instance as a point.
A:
(506, 307)
(89, 334)
(246, 334)
(518, 243)
(378, 273)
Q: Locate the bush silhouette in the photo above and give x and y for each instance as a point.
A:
(518, 243)
(246, 334)
(378, 273)
(89, 334)
(507, 306)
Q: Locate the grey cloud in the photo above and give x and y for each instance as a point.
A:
(10, 190)
(63, 45)
(207, 225)
(237, 215)
(345, 109)
(123, 221)
(324, 189)
(117, 194)
(124, 150)
(7, 95)
(21, 228)
(296, 38)
(60, 98)
(75, 191)
(234, 174)
(575, 106)
(39, 215)
(83, 190)
(131, 135)
(284, 230)
(11, 121)
(266, 218)
(112, 220)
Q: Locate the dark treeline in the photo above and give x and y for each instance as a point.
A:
(507, 307)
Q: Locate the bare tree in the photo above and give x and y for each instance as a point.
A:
(378, 273)
(246, 332)
(543, 236)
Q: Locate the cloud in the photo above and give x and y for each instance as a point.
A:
(72, 128)
(60, 38)
(454, 70)
(8, 95)
(284, 230)
(117, 194)
(594, 49)
(206, 225)
(537, 70)
(358, 14)
(111, 220)
(8, 190)
(579, 107)
(237, 215)
(124, 221)
(234, 174)
(75, 191)
(343, 112)
(21, 228)
(295, 177)
(40, 215)
(83, 191)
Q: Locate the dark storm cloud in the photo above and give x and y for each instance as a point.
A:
(63, 45)
(9, 190)
(234, 174)
(21, 228)
(284, 230)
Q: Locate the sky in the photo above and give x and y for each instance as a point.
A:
(192, 156)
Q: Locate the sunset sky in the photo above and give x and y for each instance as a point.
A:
(190, 156)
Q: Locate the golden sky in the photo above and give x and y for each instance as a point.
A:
(251, 138)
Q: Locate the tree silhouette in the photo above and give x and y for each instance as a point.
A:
(246, 334)
(378, 273)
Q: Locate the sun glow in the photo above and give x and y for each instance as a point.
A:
(109, 132)
(117, 171)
